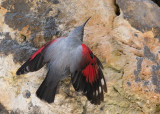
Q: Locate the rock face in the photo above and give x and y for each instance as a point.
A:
(124, 34)
(144, 15)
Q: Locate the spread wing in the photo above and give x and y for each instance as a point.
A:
(87, 76)
(35, 62)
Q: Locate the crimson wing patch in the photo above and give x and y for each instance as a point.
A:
(89, 77)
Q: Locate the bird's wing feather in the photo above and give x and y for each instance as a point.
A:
(35, 62)
(87, 76)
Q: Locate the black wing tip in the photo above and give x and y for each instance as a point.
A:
(21, 71)
(105, 89)
(79, 83)
(96, 100)
(31, 65)
(18, 73)
(104, 86)
(98, 96)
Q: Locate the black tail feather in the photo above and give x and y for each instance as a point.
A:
(46, 92)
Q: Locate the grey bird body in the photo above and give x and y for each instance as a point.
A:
(65, 56)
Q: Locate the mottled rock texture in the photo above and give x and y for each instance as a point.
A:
(144, 15)
(124, 34)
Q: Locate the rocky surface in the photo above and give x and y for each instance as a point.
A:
(124, 34)
(144, 15)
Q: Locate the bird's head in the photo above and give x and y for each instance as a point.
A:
(78, 31)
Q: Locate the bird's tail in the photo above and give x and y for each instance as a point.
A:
(46, 91)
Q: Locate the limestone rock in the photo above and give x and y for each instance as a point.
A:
(123, 34)
(144, 15)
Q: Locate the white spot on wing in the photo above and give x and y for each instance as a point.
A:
(27, 68)
(96, 92)
(102, 81)
(100, 89)
(93, 93)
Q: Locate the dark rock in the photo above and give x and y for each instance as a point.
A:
(139, 63)
(47, 11)
(137, 79)
(146, 83)
(21, 52)
(53, 1)
(135, 35)
(26, 94)
(144, 15)
(156, 77)
(20, 6)
(148, 54)
(138, 70)
(20, 16)
(102, 108)
(117, 11)
(16, 20)
(5, 34)
(3, 110)
(129, 83)
(50, 28)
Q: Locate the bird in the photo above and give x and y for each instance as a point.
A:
(64, 57)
